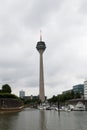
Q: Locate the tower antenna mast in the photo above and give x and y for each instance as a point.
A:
(40, 35)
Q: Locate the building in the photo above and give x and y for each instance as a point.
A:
(85, 89)
(79, 89)
(41, 48)
(31, 97)
(21, 94)
(76, 89)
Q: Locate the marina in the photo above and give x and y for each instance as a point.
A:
(78, 107)
(34, 119)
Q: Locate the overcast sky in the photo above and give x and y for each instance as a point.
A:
(64, 27)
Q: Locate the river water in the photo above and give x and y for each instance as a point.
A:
(32, 119)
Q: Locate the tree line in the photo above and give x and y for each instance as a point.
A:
(62, 98)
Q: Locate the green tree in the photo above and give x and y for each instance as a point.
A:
(0, 91)
(72, 94)
(77, 95)
(6, 88)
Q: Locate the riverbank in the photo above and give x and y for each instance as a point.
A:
(7, 110)
(10, 105)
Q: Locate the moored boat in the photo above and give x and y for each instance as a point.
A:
(79, 107)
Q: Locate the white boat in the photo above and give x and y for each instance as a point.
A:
(61, 109)
(71, 107)
(79, 107)
(56, 108)
(43, 106)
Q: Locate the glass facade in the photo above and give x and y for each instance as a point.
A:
(79, 89)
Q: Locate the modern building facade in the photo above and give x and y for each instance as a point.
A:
(21, 94)
(85, 89)
(41, 48)
(79, 88)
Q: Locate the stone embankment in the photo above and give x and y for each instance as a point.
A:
(10, 105)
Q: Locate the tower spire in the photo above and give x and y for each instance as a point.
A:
(40, 35)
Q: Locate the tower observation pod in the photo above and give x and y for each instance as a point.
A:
(41, 48)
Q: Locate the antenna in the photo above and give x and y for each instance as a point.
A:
(40, 35)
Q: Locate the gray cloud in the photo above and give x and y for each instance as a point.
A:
(41, 12)
(64, 26)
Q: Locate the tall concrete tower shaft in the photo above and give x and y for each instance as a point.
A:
(41, 48)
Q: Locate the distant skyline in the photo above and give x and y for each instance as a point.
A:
(64, 27)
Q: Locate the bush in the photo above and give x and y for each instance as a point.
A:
(7, 95)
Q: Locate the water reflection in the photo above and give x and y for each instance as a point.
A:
(8, 121)
(59, 114)
(42, 121)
